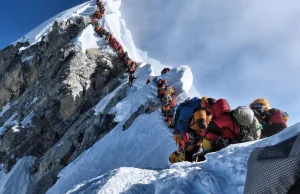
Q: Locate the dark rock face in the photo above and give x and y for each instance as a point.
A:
(59, 86)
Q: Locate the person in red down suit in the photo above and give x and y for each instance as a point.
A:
(222, 130)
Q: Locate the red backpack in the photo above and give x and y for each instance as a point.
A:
(221, 117)
(219, 107)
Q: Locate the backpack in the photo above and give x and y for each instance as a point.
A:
(249, 126)
(173, 110)
(219, 107)
(277, 116)
(166, 100)
(187, 109)
(169, 90)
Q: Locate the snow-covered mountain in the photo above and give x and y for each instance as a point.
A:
(65, 102)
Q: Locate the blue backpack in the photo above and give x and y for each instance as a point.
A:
(187, 109)
(173, 110)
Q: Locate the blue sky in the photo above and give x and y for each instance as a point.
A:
(238, 50)
(19, 17)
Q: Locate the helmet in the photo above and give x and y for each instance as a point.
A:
(260, 105)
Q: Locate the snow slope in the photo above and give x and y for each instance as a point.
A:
(36, 34)
(129, 180)
(18, 179)
(223, 172)
(112, 22)
(146, 144)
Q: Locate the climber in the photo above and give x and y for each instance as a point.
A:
(112, 41)
(222, 130)
(273, 120)
(97, 27)
(165, 70)
(165, 102)
(101, 6)
(108, 37)
(94, 20)
(102, 10)
(170, 90)
(131, 79)
(131, 66)
(202, 116)
(161, 92)
(171, 110)
(258, 106)
(127, 65)
(277, 121)
(119, 48)
(161, 88)
(106, 33)
(148, 81)
(177, 156)
(98, 2)
(192, 148)
(98, 14)
(125, 57)
(100, 32)
(116, 45)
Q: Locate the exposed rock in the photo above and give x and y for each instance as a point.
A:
(55, 87)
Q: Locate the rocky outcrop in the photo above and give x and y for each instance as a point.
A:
(55, 87)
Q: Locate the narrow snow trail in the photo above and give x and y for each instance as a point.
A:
(123, 180)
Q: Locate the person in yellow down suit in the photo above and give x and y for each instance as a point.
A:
(165, 102)
(202, 116)
(177, 156)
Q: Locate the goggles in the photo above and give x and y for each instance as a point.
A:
(259, 107)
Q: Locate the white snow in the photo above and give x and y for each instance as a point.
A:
(27, 121)
(104, 102)
(124, 109)
(18, 180)
(26, 59)
(36, 34)
(33, 101)
(116, 25)
(129, 180)
(112, 22)
(88, 39)
(156, 65)
(222, 172)
(22, 49)
(4, 109)
(144, 145)
(10, 122)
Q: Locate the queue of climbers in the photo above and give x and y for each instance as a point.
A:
(129, 65)
(202, 125)
(208, 125)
